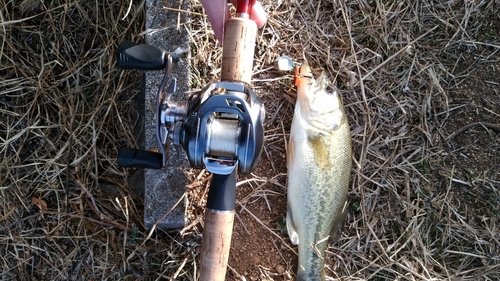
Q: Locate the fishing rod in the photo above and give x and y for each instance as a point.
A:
(220, 128)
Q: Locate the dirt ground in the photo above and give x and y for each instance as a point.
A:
(420, 84)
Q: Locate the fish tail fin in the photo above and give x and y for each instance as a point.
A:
(290, 226)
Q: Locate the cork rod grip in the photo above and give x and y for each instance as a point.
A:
(216, 244)
(238, 50)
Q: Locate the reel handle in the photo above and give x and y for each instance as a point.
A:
(136, 158)
(131, 55)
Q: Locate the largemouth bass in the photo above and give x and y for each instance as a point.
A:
(319, 166)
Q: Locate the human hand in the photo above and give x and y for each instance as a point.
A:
(218, 14)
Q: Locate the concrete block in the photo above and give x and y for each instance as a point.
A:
(163, 188)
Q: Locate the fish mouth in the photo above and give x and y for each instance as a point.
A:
(305, 70)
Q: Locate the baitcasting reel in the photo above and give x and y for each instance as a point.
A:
(220, 127)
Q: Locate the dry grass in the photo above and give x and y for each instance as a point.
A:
(66, 212)
(64, 113)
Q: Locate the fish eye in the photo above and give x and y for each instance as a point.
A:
(329, 89)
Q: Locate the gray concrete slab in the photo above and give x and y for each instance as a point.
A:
(165, 28)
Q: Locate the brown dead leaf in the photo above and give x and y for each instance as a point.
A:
(40, 203)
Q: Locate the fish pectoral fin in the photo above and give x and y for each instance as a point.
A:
(290, 226)
(321, 153)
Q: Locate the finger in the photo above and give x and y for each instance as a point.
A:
(217, 13)
(257, 14)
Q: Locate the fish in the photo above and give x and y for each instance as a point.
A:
(319, 165)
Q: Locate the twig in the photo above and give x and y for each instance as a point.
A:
(494, 127)
(128, 10)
